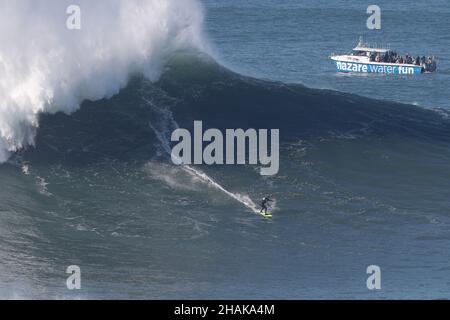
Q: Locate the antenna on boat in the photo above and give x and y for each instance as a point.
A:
(361, 41)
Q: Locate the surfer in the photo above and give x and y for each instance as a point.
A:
(265, 202)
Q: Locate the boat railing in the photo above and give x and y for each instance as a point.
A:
(375, 45)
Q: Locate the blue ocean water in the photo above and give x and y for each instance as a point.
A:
(364, 173)
(291, 41)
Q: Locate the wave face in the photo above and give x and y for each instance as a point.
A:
(361, 181)
(192, 86)
(48, 68)
(356, 175)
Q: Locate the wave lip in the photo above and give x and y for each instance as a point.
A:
(47, 68)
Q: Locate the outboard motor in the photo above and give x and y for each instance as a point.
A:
(431, 65)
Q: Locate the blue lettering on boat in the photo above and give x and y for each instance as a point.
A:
(371, 68)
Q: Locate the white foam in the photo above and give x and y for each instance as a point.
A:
(46, 67)
(245, 200)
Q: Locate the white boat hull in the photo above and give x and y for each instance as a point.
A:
(362, 65)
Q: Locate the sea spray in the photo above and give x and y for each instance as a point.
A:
(162, 132)
(245, 200)
(47, 67)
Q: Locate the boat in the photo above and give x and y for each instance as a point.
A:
(365, 58)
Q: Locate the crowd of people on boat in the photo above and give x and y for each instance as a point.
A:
(392, 57)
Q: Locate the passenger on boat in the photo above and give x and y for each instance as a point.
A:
(417, 62)
(408, 59)
(394, 56)
(430, 65)
(422, 61)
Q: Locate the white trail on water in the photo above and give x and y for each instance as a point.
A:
(167, 123)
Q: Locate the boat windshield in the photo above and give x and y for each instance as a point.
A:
(360, 53)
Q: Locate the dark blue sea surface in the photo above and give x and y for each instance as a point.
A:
(291, 41)
(364, 173)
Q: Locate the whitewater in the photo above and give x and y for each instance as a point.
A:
(47, 68)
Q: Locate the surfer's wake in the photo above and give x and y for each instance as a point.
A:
(166, 124)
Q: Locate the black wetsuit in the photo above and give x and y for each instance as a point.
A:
(264, 204)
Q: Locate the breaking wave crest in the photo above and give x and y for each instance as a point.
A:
(47, 68)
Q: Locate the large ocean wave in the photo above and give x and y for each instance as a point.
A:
(47, 68)
(145, 53)
(85, 121)
(194, 87)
